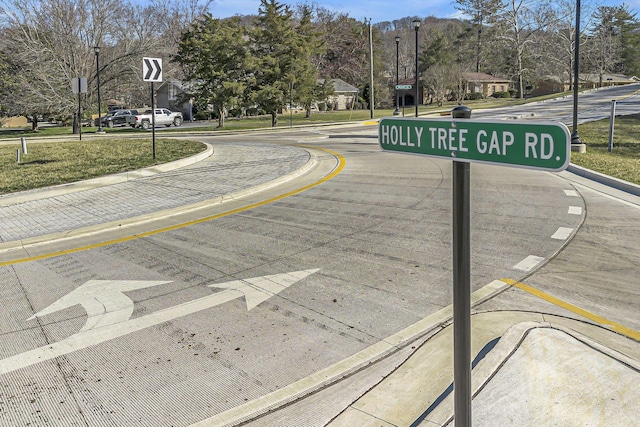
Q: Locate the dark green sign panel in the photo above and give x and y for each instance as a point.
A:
(532, 145)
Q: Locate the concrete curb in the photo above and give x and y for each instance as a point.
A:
(605, 179)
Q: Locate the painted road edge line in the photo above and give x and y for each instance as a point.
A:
(621, 329)
(351, 364)
(341, 163)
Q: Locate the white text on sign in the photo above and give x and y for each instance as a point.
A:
(490, 142)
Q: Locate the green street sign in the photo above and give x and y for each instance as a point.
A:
(531, 145)
(403, 87)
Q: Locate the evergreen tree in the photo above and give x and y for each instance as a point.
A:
(214, 55)
(275, 47)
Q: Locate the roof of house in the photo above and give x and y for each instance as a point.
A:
(340, 86)
(178, 83)
(607, 78)
(484, 77)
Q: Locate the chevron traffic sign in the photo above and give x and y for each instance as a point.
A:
(152, 69)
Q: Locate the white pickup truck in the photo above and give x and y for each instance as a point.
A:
(163, 117)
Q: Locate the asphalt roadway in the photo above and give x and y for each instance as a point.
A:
(530, 368)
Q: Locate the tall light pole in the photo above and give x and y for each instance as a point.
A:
(397, 110)
(575, 139)
(371, 94)
(96, 49)
(416, 25)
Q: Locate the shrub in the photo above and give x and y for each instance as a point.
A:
(474, 96)
(202, 115)
(501, 95)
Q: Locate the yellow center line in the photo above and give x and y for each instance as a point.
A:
(631, 333)
(341, 164)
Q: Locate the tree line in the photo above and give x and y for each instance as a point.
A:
(262, 61)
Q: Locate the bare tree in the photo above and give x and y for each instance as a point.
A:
(51, 42)
(519, 22)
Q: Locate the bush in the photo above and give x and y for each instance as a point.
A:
(235, 112)
(474, 96)
(501, 95)
(202, 115)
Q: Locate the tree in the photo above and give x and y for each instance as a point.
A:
(615, 41)
(214, 56)
(483, 14)
(518, 22)
(304, 75)
(282, 56)
(49, 43)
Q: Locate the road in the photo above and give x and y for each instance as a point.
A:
(217, 314)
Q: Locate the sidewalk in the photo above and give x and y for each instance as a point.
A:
(529, 370)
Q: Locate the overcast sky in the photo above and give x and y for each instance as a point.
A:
(380, 10)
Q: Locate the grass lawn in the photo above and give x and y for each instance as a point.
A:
(624, 159)
(52, 163)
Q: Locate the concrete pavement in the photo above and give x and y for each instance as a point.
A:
(531, 369)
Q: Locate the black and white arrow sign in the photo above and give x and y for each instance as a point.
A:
(152, 69)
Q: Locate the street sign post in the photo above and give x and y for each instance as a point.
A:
(542, 146)
(152, 72)
(152, 69)
(532, 145)
(79, 86)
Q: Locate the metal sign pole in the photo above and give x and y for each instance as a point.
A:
(612, 125)
(461, 287)
(80, 114)
(153, 124)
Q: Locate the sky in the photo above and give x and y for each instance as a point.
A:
(380, 10)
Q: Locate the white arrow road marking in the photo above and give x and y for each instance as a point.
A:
(103, 300)
(255, 290)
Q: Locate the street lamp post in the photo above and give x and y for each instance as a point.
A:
(96, 49)
(416, 25)
(575, 139)
(397, 110)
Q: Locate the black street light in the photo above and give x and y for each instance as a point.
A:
(416, 25)
(397, 110)
(575, 139)
(96, 49)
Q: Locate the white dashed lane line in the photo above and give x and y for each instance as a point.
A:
(563, 233)
(575, 210)
(529, 263)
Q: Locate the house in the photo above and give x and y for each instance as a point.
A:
(554, 84)
(486, 84)
(407, 97)
(172, 94)
(548, 85)
(594, 80)
(344, 95)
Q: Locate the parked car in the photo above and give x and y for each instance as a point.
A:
(118, 117)
(162, 117)
(104, 118)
